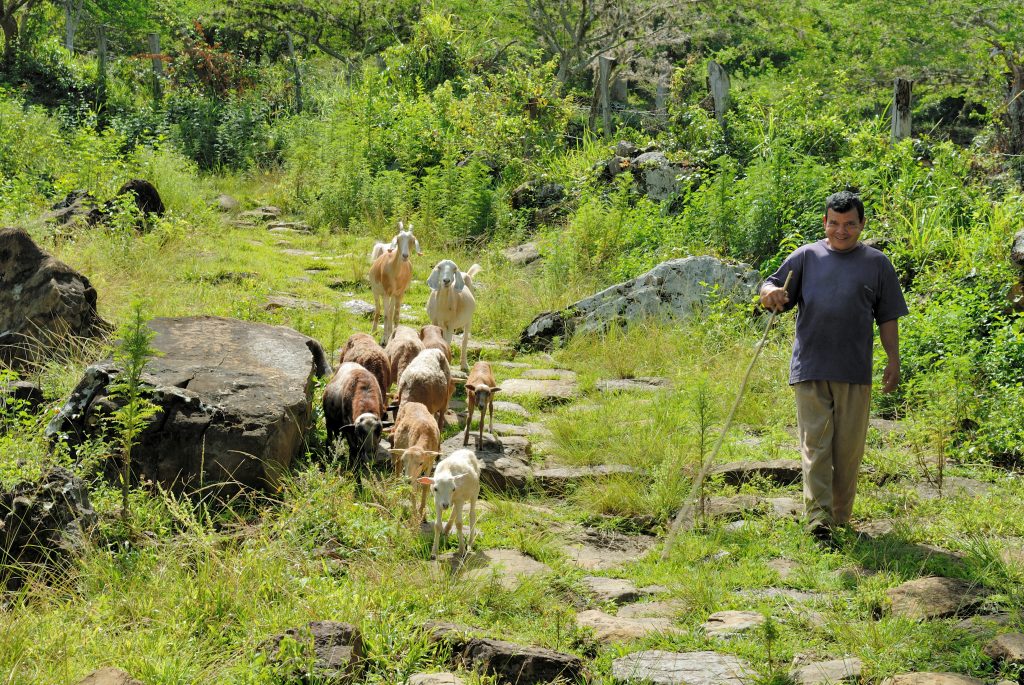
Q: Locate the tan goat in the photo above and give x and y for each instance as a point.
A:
(401, 349)
(480, 389)
(416, 443)
(389, 279)
(364, 350)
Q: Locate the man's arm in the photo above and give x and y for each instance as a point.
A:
(889, 333)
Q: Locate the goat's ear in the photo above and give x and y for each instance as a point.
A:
(431, 453)
(348, 430)
(434, 280)
(460, 283)
(397, 453)
(494, 390)
(418, 250)
(425, 480)
(470, 387)
(401, 226)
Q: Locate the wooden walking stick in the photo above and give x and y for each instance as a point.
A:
(684, 519)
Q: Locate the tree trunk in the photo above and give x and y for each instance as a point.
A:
(1015, 109)
(901, 109)
(72, 17)
(9, 25)
(718, 81)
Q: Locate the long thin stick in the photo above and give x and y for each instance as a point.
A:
(684, 519)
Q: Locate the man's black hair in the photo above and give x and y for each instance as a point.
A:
(844, 201)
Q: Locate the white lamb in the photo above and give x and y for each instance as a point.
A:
(456, 481)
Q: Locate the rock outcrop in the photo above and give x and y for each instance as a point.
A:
(44, 303)
(234, 398)
(43, 525)
(674, 289)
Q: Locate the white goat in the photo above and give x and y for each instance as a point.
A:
(456, 481)
(389, 277)
(451, 302)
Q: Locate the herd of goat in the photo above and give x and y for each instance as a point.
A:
(356, 399)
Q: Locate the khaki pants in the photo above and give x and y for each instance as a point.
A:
(832, 419)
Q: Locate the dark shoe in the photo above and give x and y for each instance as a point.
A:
(823, 535)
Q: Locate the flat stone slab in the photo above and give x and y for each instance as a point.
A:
(786, 568)
(504, 463)
(549, 391)
(608, 629)
(829, 672)
(559, 479)
(724, 623)
(786, 507)
(549, 374)
(595, 550)
(681, 668)
(934, 597)
(1008, 647)
(287, 302)
(358, 307)
(932, 679)
(953, 486)
(640, 384)
(475, 347)
(435, 679)
(788, 594)
(665, 609)
(511, 408)
(614, 590)
(503, 430)
(292, 252)
(109, 676)
(732, 507)
(509, 565)
(778, 471)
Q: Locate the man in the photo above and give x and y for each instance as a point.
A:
(841, 287)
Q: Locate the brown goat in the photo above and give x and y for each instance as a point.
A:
(480, 389)
(427, 379)
(403, 347)
(364, 350)
(353, 408)
(433, 339)
(416, 443)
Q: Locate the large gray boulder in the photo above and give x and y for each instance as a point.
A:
(43, 525)
(678, 289)
(234, 397)
(1017, 250)
(44, 303)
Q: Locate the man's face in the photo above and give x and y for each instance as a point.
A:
(842, 229)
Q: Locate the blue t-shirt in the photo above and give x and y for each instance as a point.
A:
(839, 295)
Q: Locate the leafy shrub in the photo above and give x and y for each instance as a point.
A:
(429, 59)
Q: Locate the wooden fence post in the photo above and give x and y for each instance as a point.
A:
(158, 67)
(718, 80)
(901, 109)
(661, 94)
(606, 64)
(295, 71)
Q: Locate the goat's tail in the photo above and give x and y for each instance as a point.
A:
(473, 271)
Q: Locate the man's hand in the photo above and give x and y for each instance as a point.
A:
(774, 298)
(891, 376)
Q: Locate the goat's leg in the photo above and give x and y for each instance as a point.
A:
(422, 509)
(458, 527)
(480, 437)
(437, 529)
(472, 521)
(490, 404)
(397, 311)
(389, 305)
(376, 312)
(465, 343)
(470, 408)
